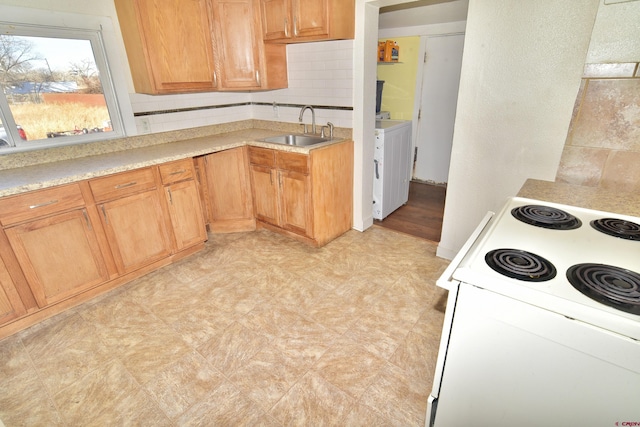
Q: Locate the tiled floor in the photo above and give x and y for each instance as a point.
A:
(256, 329)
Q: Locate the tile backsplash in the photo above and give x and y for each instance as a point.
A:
(319, 74)
(603, 143)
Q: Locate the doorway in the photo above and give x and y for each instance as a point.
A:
(433, 113)
(436, 101)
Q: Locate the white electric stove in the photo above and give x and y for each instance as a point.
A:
(542, 325)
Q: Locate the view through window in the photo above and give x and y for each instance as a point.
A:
(53, 90)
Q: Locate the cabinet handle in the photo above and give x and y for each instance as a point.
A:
(178, 172)
(104, 214)
(295, 27)
(86, 218)
(286, 27)
(41, 205)
(128, 184)
(258, 78)
(215, 79)
(170, 197)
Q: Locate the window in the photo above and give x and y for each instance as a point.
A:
(56, 88)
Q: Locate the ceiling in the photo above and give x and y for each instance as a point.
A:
(423, 12)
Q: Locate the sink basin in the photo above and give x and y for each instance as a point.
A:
(296, 139)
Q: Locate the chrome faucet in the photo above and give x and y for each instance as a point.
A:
(313, 118)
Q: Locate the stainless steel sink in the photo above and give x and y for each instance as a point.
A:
(296, 139)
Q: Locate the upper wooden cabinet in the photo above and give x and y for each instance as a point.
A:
(292, 21)
(168, 44)
(243, 61)
(176, 46)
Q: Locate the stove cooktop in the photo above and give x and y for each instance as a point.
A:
(552, 255)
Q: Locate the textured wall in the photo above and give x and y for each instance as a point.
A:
(603, 144)
(521, 71)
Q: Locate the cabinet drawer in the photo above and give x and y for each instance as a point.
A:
(40, 203)
(292, 161)
(262, 156)
(177, 171)
(122, 184)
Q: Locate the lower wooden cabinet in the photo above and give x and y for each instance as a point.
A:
(265, 194)
(11, 305)
(226, 191)
(296, 214)
(54, 246)
(62, 245)
(282, 197)
(58, 244)
(136, 230)
(59, 255)
(183, 201)
(308, 197)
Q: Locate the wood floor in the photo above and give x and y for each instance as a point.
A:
(422, 215)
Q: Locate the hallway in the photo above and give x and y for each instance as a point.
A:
(422, 215)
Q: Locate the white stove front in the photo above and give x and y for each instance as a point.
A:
(563, 248)
(518, 352)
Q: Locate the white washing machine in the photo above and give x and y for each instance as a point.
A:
(392, 166)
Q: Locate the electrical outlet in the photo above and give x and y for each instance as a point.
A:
(145, 127)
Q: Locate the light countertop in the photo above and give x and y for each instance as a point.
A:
(603, 199)
(27, 178)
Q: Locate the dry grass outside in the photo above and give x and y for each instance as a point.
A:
(38, 119)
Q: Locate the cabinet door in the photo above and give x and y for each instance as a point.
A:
(136, 230)
(295, 199)
(310, 18)
(228, 191)
(186, 214)
(10, 304)
(276, 22)
(238, 50)
(59, 255)
(265, 194)
(176, 42)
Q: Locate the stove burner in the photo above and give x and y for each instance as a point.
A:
(520, 265)
(618, 228)
(546, 217)
(609, 285)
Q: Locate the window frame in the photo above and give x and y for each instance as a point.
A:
(102, 36)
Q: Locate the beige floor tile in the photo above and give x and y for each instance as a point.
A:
(255, 329)
(313, 401)
(363, 415)
(304, 342)
(417, 355)
(349, 366)
(396, 397)
(198, 323)
(225, 406)
(108, 396)
(23, 399)
(184, 383)
(270, 319)
(233, 348)
(65, 351)
(377, 334)
(268, 376)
